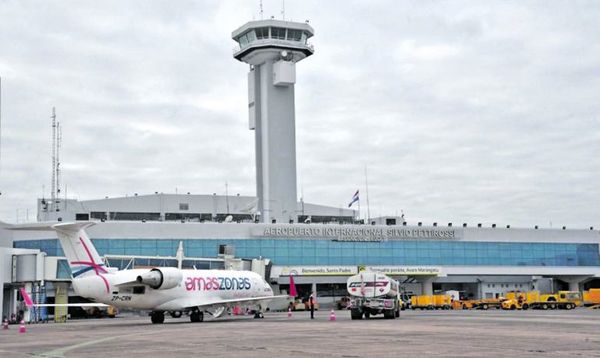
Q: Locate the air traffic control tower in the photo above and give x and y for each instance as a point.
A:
(272, 48)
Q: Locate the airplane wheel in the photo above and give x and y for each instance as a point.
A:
(258, 315)
(197, 316)
(176, 314)
(157, 317)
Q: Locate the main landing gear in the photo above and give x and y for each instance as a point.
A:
(157, 317)
(197, 316)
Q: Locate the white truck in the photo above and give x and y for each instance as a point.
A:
(373, 293)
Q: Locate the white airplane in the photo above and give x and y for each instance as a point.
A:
(161, 289)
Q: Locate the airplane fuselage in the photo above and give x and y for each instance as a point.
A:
(206, 286)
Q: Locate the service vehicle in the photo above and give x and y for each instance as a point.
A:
(591, 297)
(422, 302)
(373, 293)
(533, 300)
(487, 303)
(442, 302)
(464, 304)
(430, 302)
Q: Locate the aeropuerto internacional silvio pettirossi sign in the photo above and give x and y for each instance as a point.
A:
(359, 233)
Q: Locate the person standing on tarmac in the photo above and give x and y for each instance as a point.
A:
(311, 301)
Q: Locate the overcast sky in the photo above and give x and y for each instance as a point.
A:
(475, 111)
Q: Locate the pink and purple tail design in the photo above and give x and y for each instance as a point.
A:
(86, 266)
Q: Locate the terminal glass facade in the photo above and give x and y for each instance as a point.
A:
(326, 252)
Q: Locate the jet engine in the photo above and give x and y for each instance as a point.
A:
(162, 278)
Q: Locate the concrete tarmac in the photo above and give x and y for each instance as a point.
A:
(424, 333)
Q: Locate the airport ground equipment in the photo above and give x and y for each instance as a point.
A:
(430, 302)
(487, 303)
(442, 302)
(533, 300)
(591, 297)
(463, 304)
(422, 302)
(373, 293)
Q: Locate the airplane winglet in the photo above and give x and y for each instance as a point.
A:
(26, 298)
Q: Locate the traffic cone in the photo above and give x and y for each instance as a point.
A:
(5, 324)
(290, 312)
(332, 315)
(22, 328)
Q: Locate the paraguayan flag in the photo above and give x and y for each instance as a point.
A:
(354, 199)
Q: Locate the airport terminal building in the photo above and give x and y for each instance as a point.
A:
(480, 262)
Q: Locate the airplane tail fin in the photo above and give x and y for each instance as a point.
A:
(78, 248)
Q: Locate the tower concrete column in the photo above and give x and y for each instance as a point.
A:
(272, 48)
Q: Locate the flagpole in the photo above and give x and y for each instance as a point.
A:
(359, 207)
(367, 187)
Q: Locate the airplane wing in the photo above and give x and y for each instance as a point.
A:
(29, 302)
(68, 305)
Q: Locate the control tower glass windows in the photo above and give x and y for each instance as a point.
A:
(243, 40)
(303, 38)
(262, 33)
(278, 33)
(294, 35)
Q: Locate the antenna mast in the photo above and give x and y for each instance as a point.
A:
(0, 124)
(227, 196)
(283, 10)
(53, 183)
(58, 145)
(261, 10)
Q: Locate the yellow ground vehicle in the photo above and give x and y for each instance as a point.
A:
(298, 305)
(98, 312)
(112, 311)
(442, 302)
(463, 304)
(526, 300)
(564, 299)
(591, 297)
(430, 302)
(422, 302)
(487, 303)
